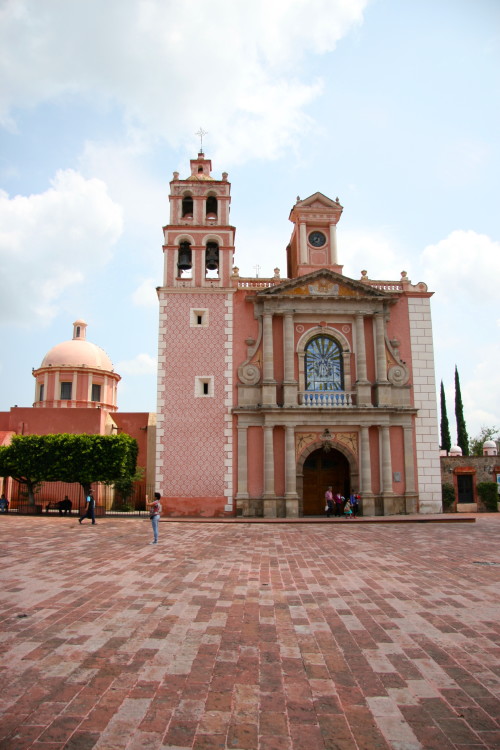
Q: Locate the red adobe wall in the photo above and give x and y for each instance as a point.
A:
(135, 424)
(29, 421)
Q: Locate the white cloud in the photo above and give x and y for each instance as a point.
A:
(373, 250)
(142, 364)
(51, 241)
(145, 295)
(462, 270)
(464, 266)
(233, 67)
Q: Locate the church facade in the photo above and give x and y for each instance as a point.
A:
(270, 390)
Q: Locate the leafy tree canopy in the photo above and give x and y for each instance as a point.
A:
(32, 459)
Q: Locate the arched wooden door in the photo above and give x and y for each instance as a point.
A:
(322, 469)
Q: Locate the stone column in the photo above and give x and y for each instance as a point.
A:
(268, 382)
(410, 491)
(291, 498)
(380, 348)
(382, 386)
(242, 491)
(368, 502)
(333, 244)
(363, 387)
(269, 493)
(302, 243)
(385, 452)
(289, 382)
(360, 349)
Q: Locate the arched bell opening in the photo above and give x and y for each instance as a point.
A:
(184, 260)
(212, 260)
(211, 208)
(187, 207)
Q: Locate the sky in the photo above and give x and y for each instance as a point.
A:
(391, 105)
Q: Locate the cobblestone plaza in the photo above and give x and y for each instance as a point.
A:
(299, 636)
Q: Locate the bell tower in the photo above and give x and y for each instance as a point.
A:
(199, 241)
(195, 347)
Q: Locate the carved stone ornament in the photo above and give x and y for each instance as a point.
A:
(397, 372)
(398, 375)
(249, 374)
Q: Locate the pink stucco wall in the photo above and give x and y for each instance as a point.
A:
(193, 426)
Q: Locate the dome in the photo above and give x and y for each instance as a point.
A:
(455, 450)
(78, 352)
(489, 444)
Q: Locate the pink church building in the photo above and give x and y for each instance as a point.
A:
(76, 392)
(270, 390)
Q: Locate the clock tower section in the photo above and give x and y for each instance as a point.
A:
(313, 244)
(194, 418)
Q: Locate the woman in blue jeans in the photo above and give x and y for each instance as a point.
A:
(154, 514)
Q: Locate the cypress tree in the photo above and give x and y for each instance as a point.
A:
(445, 425)
(462, 437)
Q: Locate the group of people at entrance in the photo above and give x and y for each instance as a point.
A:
(340, 506)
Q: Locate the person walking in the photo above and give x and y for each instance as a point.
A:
(4, 504)
(329, 502)
(154, 514)
(90, 510)
(354, 504)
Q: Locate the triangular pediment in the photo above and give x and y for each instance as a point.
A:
(323, 283)
(317, 200)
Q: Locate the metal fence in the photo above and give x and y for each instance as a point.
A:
(63, 499)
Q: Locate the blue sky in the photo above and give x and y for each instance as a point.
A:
(391, 105)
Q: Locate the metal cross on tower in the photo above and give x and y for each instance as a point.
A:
(201, 133)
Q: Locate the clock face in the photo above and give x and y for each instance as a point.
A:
(317, 239)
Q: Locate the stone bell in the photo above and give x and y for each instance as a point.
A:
(212, 257)
(184, 260)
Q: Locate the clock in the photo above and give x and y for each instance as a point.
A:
(317, 239)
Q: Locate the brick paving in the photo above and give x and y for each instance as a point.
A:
(249, 636)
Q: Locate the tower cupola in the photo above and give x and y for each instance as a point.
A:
(199, 241)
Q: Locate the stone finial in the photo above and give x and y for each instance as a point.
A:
(236, 271)
(176, 175)
(276, 273)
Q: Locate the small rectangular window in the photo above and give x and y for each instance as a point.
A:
(204, 386)
(198, 318)
(41, 392)
(66, 391)
(96, 392)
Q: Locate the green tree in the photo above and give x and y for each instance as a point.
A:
(462, 437)
(486, 433)
(26, 460)
(32, 459)
(445, 425)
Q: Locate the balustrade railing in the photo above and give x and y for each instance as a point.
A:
(326, 399)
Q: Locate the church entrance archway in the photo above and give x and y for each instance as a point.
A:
(321, 469)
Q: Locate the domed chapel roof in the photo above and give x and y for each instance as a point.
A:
(78, 352)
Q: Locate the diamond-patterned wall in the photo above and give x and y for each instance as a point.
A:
(194, 452)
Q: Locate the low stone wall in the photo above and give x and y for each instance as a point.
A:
(481, 468)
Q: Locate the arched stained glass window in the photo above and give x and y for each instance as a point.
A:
(323, 365)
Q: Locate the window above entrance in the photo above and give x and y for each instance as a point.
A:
(323, 365)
